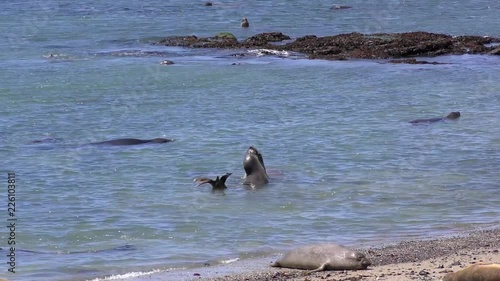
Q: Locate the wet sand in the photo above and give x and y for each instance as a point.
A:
(408, 260)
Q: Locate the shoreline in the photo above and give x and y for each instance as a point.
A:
(416, 259)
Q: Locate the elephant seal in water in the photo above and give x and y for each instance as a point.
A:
(244, 22)
(340, 7)
(132, 141)
(217, 184)
(255, 170)
(452, 116)
(47, 140)
(321, 257)
(167, 62)
(476, 272)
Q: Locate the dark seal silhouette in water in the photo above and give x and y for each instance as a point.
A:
(167, 62)
(244, 23)
(132, 141)
(47, 140)
(452, 116)
(255, 170)
(340, 7)
(217, 184)
(321, 257)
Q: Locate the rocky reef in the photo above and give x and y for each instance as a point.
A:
(350, 46)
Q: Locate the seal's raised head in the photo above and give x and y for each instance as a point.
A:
(253, 155)
(254, 168)
(364, 262)
(453, 115)
(244, 22)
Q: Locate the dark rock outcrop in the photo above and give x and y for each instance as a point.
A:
(263, 39)
(352, 45)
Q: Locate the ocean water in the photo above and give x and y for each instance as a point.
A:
(345, 164)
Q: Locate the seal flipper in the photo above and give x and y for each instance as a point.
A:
(201, 181)
(224, 177)
(321, 268)
(219, 183)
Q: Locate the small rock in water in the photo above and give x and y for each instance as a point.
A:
(208, 4)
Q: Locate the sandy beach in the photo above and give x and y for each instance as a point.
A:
(428, 259)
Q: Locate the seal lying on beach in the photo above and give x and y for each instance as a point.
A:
(321, 257)
(132, 141)
(217, 184)
(452, 116)
(255, 170)
(476, 272)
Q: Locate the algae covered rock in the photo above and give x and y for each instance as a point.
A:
(225, 35)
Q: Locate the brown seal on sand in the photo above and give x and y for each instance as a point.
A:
(452, 116)
(321, 257)
(217, 184)
(255, 170)
(244, 22)
(476, 272)
(132, 141)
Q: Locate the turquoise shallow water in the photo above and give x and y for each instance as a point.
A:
(345, 165)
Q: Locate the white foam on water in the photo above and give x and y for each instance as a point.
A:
(126, 275)
(230, 260)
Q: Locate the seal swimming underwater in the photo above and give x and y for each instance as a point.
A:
(452, 116)
(132, 141)
(217, 184)
(255, 170)
(321, 257)
(476, 272)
